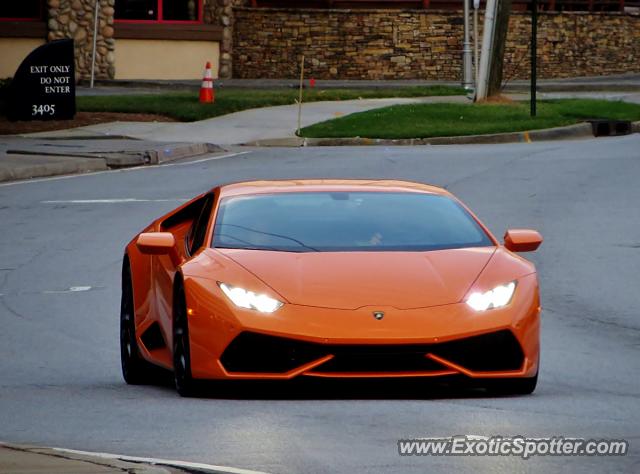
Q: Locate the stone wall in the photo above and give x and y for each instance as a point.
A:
(418, 44)
(575, 44)
(75, 19)
(220, 12)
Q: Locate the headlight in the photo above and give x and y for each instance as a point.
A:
(249, 300)
(498, 297)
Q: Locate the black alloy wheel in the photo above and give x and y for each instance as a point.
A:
(135, 370)
(185, 384)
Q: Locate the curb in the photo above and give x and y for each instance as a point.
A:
(575, 87)
(130, 464)
(576, 131)
(25, 164)
(121, 159)
(50, 460)
(282, 142)
(166, 154)
(579, 130)
(63, 165)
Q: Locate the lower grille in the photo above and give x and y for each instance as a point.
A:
(494, 351)
(251, 352)
(258, 353)
(368, 361)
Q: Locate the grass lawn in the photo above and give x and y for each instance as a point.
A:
(184, 106)
(444, 120)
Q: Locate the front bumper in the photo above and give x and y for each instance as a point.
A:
(251, 355)
(227, 342)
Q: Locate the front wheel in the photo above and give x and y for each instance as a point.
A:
(185, 384)
(135, 370)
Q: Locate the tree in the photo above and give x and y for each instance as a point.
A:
(496, 26)
(500, 39)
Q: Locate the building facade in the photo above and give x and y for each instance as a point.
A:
(136, 39)
(341, 39)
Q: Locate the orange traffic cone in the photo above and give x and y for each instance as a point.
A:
(206, 90)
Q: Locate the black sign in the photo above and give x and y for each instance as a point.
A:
(44, 86)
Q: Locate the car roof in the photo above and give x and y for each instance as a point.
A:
(326, 185)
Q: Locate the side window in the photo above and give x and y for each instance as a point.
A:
(199, 229)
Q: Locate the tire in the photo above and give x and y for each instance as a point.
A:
(135, 370)
(186, 386)
(515, 386)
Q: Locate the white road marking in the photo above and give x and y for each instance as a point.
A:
(72, 289)
(163, 462)
(211, 158)
(111, 201)
(124, 170)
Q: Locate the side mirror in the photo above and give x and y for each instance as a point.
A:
(522, 240)
(156, 243)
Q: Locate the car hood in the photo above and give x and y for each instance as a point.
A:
(350, 280)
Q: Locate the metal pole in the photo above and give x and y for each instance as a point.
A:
(95, 40)
(467, 79)
(300, 95)
(476, 58)
(534, 54)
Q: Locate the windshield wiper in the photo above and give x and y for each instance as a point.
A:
(302, 244)
(251, 246)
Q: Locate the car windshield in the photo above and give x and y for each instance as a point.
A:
(345, 221)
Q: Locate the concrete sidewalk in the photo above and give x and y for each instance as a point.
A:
(245, 126)
(31, 460)
(270, 123)
(21, 459)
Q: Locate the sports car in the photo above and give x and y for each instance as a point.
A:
(329, 278)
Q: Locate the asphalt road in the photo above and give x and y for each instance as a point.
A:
(60, 382)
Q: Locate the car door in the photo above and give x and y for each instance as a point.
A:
(189, 227)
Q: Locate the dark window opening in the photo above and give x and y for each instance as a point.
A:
(21, 10)
(199, 230)
(136, 10)
(180, 10)
(159, 10)
(186, 214)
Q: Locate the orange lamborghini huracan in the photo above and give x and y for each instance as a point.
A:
(329, 278)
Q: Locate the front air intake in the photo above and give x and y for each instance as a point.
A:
(259, 353)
